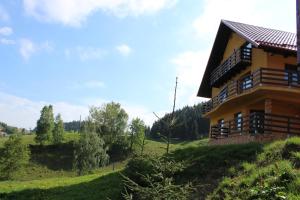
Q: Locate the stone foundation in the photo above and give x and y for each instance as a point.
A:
(246, 138)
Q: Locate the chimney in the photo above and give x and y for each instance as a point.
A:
(298, 31)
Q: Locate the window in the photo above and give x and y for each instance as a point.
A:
(257, 121)
(246, 82)
(223, 95)
(292, 74)
(238, 120)
(221, 124)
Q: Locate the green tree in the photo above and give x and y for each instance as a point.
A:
(137, 133)
(89, 153)
(15, 155)
(45, 125)
(58, 131)
(110, 121)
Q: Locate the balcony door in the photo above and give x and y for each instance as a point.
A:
(245, 83)
(256, 121)
(292, 74)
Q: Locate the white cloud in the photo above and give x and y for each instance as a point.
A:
(280, 15)
(124, 49)
(92, 84)
(86, 53)
(4, 16)
(133, 110)
(141, 112)
(22, 112)
(7, 41)
(6, 31)
(28, 48)
(190, 67)
(74, 12)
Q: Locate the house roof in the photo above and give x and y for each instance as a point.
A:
(265, 38)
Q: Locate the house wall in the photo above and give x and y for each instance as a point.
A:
(279, 61)
(234, 42)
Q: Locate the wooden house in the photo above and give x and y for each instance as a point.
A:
(253, 84)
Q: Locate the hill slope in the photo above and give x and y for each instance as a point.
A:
(275, 174)
(42, 180)
(248, 171)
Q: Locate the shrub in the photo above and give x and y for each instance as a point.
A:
(148, 178)
(119, 149)
(90, 153)
(15, 156)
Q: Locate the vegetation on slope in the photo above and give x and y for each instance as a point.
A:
(203, 166)
(274, 175)
(49, 175)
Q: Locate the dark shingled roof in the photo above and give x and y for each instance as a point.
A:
(260, 37)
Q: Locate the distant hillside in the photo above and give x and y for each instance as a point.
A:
(9, 129)
(72, 126)
(189, 124)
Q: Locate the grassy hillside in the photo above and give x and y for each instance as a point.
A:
(275, 174)
(247, 171)
(96, 186)
(49, 175)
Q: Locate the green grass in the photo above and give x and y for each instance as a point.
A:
(219, 172)
(275, 174)
(49, 174)
(29, 139)
(92, 187)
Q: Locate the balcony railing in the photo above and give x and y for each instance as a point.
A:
(257, 123)
(240, 58)
(263, 76)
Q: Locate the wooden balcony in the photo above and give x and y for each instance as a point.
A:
(240, 59)
(257, 123)
(261, 77)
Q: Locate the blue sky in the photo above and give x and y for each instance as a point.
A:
(75, 53)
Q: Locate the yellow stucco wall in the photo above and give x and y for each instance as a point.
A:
(235, 41)
(279, 61)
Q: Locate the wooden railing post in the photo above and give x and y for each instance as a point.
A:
(288, 125)
(260, 76)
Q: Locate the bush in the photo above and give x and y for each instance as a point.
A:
(90, 153)
(148, 178)
(119, 149)
(15, 156)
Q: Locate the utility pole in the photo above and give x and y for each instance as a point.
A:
(169, 123)
(172, 121)
(79, 124)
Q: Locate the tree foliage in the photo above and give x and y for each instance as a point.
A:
(72, 126)
(110, 121)
(15, 155)
(90, 153)
(8, 129)
(188, 125)
(58, 131)
(137, 133)
(45, 125)
(152, 178)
